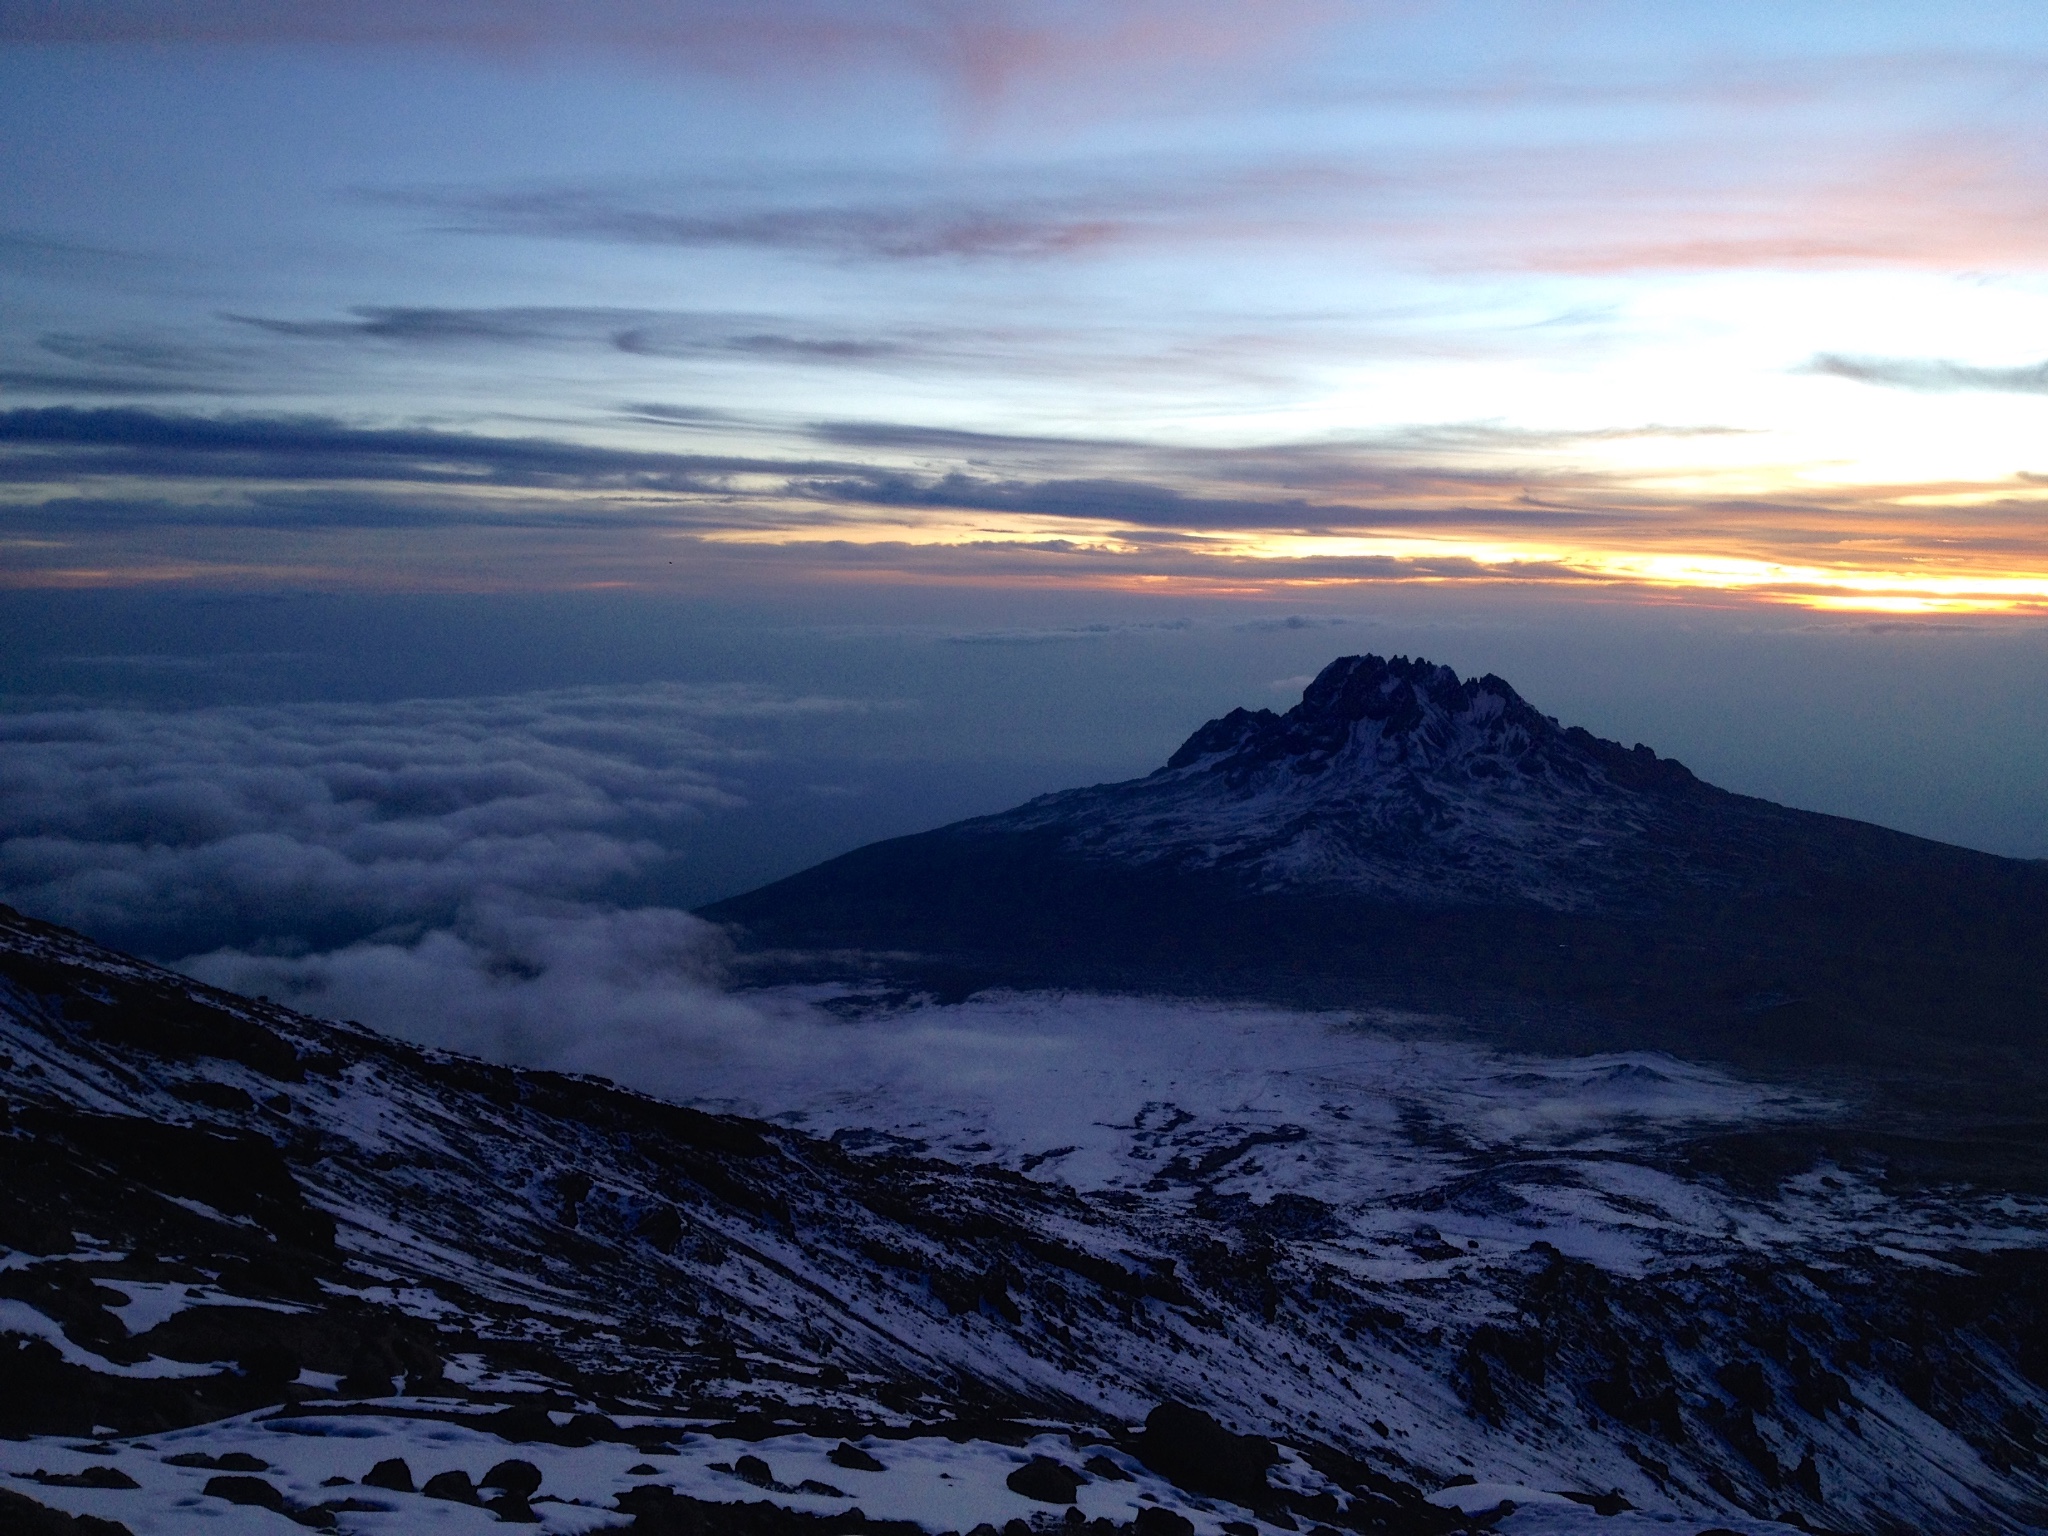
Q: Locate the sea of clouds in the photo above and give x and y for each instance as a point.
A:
(470, 873)
(458, 871)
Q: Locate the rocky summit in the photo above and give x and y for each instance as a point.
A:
(1376, 716)
(1398, 779)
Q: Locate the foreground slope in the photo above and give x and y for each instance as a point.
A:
(1410, 838)
(241, 1244)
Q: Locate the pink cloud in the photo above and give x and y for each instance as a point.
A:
(983, 49)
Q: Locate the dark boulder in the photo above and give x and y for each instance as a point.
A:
(248, 1490)
(211, 1095)
(1046, 1480)
(269, 1368)
(1744, 1381)
(1192, 1451)
(660, 1227)
(454, 1486)
(515, 1477)
(1806, 1478)
(373, 1371)
(91, 1477)
(512, 1509)
(21, 1516)
(1155, 1521)
(391, 1473)
(522, 1424)
(854, 1459)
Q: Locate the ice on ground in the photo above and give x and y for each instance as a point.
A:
(1479, 1498)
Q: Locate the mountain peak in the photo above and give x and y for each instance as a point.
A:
(1396, 777)
(1378, 715)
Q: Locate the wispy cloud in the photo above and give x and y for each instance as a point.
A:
(442, 327)
(984, 50)
(57, 381)
(264, 496)
(890, 434)
(1933, 375)
(1551, 202)
(1023, 228)
(66, 441)
(649, 333)
(1094, 500)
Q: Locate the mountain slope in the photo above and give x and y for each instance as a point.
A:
(243, 1233)
(1410, 838)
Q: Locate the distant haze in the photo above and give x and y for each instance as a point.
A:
(784, 742)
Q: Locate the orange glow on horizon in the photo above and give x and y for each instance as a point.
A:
(1951, 546)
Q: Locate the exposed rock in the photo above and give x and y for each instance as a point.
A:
(513, 1509)
(22, 1516)
(518, 1477)
(91, 1477)
(1046, 1480)
(390, 1473)
(248, 1490)
(1191, 1450)
(853, 1458)
(1156, 1521)
(453, 1485)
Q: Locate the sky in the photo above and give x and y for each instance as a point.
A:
(1726, 298)
(481, 479)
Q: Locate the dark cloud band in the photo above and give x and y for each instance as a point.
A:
(1933, 375)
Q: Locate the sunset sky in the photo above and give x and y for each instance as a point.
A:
(1750, 299)
(959, 399)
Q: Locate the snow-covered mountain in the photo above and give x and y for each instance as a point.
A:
(1392, 778)
(258, 1266)
(1407, 838)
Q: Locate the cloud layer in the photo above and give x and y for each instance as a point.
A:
(632, 995)
(134, 494)
(437, 869)
(300, 828)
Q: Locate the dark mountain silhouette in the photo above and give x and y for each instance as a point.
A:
(1410, 839)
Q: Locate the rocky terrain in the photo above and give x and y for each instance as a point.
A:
(253, 1260)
